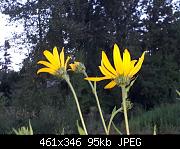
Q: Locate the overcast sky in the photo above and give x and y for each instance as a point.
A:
(6, 32)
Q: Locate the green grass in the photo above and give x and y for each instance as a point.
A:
(166, 118)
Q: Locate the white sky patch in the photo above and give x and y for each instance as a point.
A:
(6, 33)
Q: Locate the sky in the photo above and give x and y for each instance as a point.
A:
(6, 32)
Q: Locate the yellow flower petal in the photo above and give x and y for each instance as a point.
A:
(67, 60)
(48, 70)
(137, 66)
(110, 85)
(132, 64)
(50, 58)
(124, 69)
(117, 60)
(107, 64)
(73, 66)
(56, 56)
(126, 62)
(96, 78)
(62, 57)
(105, 71)
(47, 64)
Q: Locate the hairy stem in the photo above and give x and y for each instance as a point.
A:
(124, 97)
(78, 106)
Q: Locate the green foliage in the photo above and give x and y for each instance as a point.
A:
(160, 73)
(80, 129)
(113, 114)
(6, 63)
(83, 91)
(166, 118)
(7, 117)
(7, 81)
(53, 120)
(155, 131)
(24, 130)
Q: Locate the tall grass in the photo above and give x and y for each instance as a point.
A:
(166, 118)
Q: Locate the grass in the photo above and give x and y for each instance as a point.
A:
(166, 118)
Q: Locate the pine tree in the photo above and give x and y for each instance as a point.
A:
(6, 63)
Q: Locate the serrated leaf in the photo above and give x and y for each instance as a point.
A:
(129, 105)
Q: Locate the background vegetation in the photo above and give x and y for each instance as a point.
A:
(84, 28)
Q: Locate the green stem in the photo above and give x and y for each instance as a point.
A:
(98, 104)
(78, 106)
(124, 97)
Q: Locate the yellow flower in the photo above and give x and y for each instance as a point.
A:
(74, 66)
(78, 67)
(55, 64)
(124, 69)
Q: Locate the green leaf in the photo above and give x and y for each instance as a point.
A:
(117, 130)
(114, 110)
(130, 85)
(24, 130)
(113, 114)
(129, 105)
(154, 133)
(15, 131)
(30, 128)
(80, 130)
(178, 92)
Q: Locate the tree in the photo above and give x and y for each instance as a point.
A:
(160, 74)
(6, 63)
